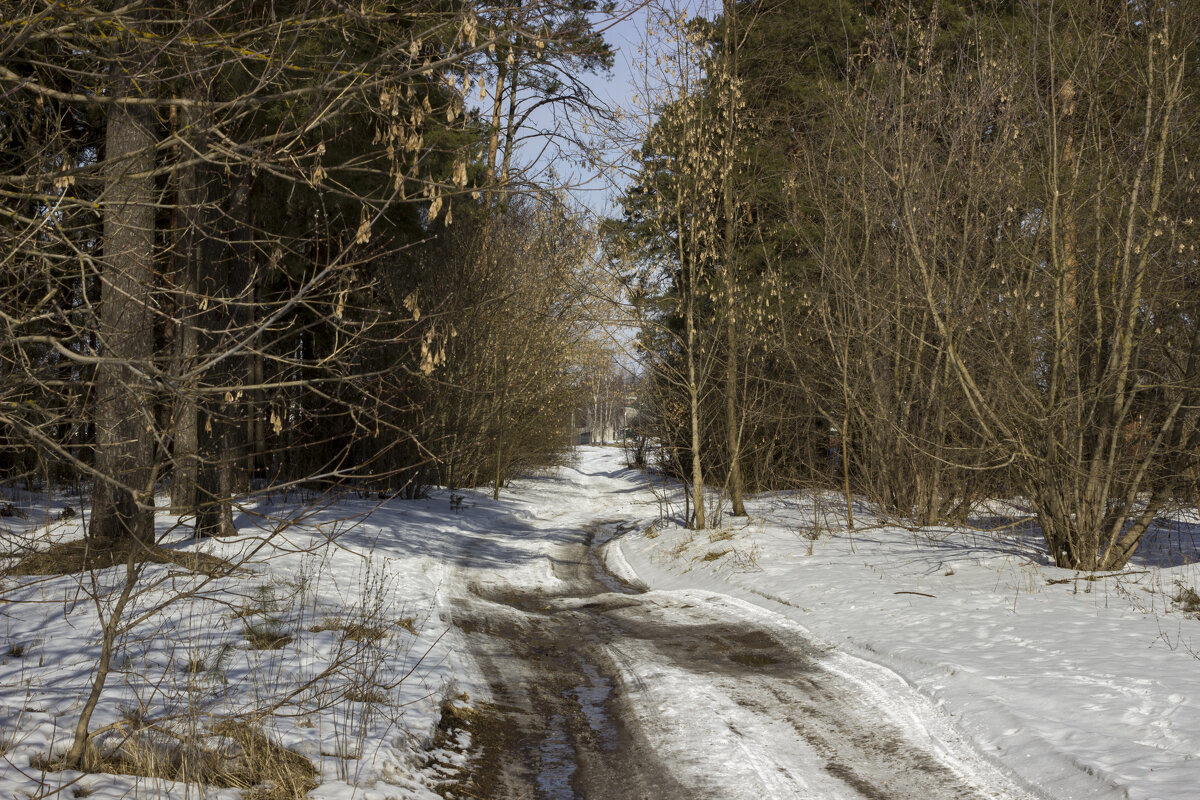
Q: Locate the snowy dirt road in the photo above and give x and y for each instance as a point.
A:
(573, 640)
(601, 689)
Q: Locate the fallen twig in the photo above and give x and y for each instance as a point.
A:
(919, 594)
(1094, 577)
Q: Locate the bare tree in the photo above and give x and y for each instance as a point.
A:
(511, 293)
(1038, 206)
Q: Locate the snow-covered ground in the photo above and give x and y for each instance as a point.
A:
(1067, 688)
(363, 710)
(1060, 683)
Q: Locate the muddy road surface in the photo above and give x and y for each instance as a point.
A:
(601, 690)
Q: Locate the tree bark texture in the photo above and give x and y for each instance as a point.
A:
(122, 503)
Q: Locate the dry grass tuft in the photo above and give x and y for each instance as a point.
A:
(1187, 600)
(231, 755)
(366, 694)
(266, 636)
(713, 555)
(680, 547)
(358, 632)
(83, 555)
(355, 631)
(273, 772)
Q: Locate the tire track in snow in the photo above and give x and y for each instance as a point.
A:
(608, 692)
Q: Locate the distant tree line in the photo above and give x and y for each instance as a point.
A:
(926, 253)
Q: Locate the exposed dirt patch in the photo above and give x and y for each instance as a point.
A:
(751, 659)
(756, 640)
(555, 730)
(489, 732)
(871, 756)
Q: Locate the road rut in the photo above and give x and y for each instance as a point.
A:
(604, 691)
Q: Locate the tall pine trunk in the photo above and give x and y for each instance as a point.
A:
(189, 201)
(123, 500)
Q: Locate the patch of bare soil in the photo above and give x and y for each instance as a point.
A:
(488, 730)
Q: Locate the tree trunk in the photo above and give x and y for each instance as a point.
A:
(111, 627)
(185, 451)
(699, 521)
(256, 463)
(498, 476)
(123, 500)
(497, 114)
(732, 423)
(510, 124)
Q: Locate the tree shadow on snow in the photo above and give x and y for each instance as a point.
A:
(474, 532)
